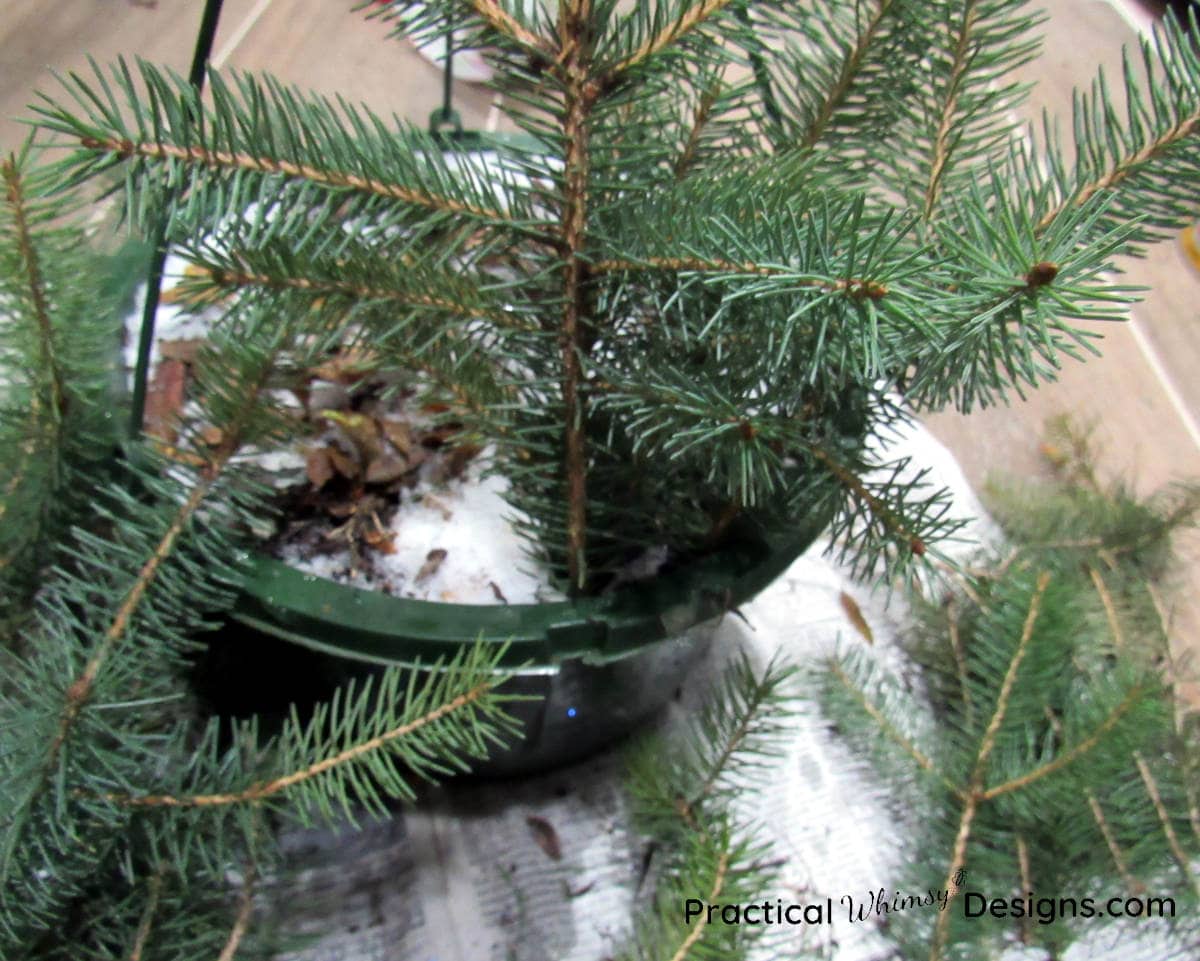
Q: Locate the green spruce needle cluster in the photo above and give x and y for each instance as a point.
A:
(122, 809)
(1038, 745)
(684, 798)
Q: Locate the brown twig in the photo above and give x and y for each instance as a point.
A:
(1164, 817)
(701, 922)
(505, 23)
(1134, 886)
(848, 479)
(1110, 609)
(947, 120)
(960, 663)
(699, 120)
(241, 921)
(850, 68)
(1080, 749)
(692, 18)
(575, 59)
(1177, 133)
(1026, 882)
(975, 794)
(146, 924)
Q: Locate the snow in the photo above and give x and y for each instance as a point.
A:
(485, 560)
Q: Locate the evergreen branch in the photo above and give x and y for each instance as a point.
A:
(266, 789)
(878, 508)
(975, 793)
(855, 288)
(241, 921)
(754, 697)
(1010, 678)
(80, 690)
(851, 65)
(960, 659)
(125, 149)
(891, 733)
(35, 286)
(233, 280)
(1110, 610)
(1182, 861)
(1070, 756)
(700, 117)
(576, 65)
(1131, 883)
(508, 26)
(1126, 166)
(1026, 880)
(688, 19)
(146, 924)
(949, 110)
(701, 922)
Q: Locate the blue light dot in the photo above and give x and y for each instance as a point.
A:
(570, 712)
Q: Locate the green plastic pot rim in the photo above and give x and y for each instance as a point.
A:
(372, 626)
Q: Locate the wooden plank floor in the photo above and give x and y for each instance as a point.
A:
(1144, 395)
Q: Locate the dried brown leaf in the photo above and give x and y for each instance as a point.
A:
(383, 541)
(457, 460)
(433, 561)
(346, 466)
(399, 434)
(545, 836)
(855, 615)
(318, 466)
(386, 468)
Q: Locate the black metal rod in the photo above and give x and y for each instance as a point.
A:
(141, 373)
(448, 76)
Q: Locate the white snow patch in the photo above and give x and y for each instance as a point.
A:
(485, 560)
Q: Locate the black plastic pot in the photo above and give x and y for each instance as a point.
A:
(598, 665)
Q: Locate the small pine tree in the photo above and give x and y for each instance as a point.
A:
(736, 234)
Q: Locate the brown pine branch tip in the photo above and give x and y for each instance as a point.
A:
(266, 789)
